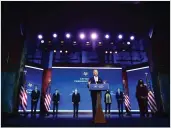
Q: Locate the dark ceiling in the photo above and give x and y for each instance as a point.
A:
(60, 17)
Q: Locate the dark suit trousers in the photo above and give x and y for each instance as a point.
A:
(75, 109)
(33, 107)
(143, 105)
(120, 107)
(107, 107)
(55, 107)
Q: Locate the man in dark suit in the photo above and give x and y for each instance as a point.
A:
(35, 95)
(55, 100)
(94, 80)
(120, 99)
(75, 102)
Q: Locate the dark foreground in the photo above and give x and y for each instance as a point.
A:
(84, 120)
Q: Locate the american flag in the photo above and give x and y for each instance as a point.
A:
(151, 99)
(23, 98)
(127, 102)
(151, 102)
(47, 100)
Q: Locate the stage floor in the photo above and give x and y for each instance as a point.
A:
(84, 120)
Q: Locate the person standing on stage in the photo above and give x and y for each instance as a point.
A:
(108, 101)
(75, 102)
(142, 98)
(35, 95)
(120, 99)
(94, 80)
(55, 100)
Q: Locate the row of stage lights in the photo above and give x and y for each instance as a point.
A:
(87, 43)
(82, 36)
(105, 51)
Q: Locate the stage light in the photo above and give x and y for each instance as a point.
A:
(60, 51)
(116, 52)
(54, 35)
(111, 43)
(82, 36)
(66, 51)
(55, 51)
(74, 42)
(100, 42)
(68, 35)
(94, 36)
(40, 37)
(110, 52)
(132, 38)
(128, 43)
(107, 36)
(42, 41)
(120, 36)
(123, 50)
(87, 42)
(62, 42)
(106, 52)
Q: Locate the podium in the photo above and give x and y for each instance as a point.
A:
(99, 117)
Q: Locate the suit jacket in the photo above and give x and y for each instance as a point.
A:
(35, 96)
(141, 91)
(100, 81)
(56, 98)
(119, 97)
(76, 98)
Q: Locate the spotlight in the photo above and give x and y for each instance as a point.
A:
(74, 42)
(107, 36)
(123, 50)
(66, 51)
(60, 51)
(106, 52)
(120, 36)
(94, 36)
(82, 36)
(116, 52)
(128, 43)
(42, 41)
(87, 42)
(132, 38)
(100, 42)
(40, 37)
(55, 51)
(68, 35)
(110, 52)
(54, 35)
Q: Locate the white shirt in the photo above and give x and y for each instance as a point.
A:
(95, 78)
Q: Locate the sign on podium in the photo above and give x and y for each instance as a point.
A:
(99, 87)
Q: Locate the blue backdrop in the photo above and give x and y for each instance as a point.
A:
(67, 79)
(133, 77)
(33, 77)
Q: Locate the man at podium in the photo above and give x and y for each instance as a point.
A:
(94, 80)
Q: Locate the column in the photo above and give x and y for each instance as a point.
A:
(157, 49)
(126, 92)
(47, 59)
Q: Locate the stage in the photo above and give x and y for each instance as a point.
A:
(84, 120)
